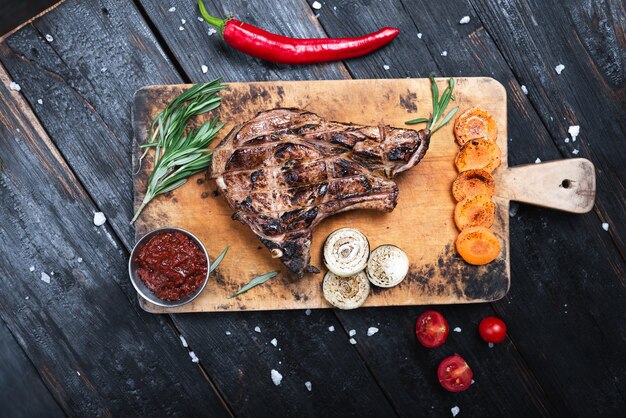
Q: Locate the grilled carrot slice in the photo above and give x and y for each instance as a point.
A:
(477, 245)
(471, 183)
(475, 123)
(477, 210)
(478, 154)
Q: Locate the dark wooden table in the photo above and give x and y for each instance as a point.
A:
(80, 345)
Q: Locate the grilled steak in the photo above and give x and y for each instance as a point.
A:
(287, 169)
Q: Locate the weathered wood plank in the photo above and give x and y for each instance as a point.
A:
(23, 393)
(88, 122)
(97, 351)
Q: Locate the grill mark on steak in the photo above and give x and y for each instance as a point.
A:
(286, 170)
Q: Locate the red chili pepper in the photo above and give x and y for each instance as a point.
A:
(284, 50)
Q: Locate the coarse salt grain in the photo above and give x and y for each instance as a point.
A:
(274, 342)
(331, 328)
(52, 273)
(257, 329)
(457, 329)
(45, 277)
(316, 5)
(605, 226)
(14, 86)
(371, 331)
(79, 259)
(193, 356)
(204, 68)
(352, 341)
(227, 332)
(39, 101)
(276, 377)
(172, 9)
(455, 410)
(308, 385)
(307, 312)
(419, 35)
(490, 345)
(575, 152)
(184, 341)
(99, 219)
(49, 37)
(524, 89)
(566, 140)
(200, 19)
(183, 21)
(464, 20)
(103, 69)
(27, 297)
(181, 28)
(212, 31)
(32, 268)
(559, 68)
(386, 67)
(574, 130)
(537, 161)
(444, 54)
(352, 333)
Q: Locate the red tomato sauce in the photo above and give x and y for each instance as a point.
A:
(172, 265)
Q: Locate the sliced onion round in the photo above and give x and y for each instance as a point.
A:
(388, 266)
(346, 292)
(346, 251)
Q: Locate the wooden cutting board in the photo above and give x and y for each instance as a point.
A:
(421, 224)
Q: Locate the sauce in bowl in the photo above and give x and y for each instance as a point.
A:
(171, 265)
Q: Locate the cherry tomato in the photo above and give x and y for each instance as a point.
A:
(492, 329)
(431, 329)
(454, 374)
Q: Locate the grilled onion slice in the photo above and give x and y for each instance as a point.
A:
(346, 292)
(346, 251)
(388, 266)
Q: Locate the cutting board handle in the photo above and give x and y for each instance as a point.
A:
(568, 185)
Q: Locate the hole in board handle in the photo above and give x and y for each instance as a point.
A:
(566, 184)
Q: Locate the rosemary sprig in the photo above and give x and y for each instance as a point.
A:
(219, 259)
(254, 282)
(180, 152)
(439, 106)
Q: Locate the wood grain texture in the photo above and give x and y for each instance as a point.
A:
(96, 350)
(421, 224)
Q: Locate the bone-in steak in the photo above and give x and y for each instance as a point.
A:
(287, 169)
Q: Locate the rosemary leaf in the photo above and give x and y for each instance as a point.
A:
(416, 121)
(446, 119)
(254, 282)
(219, 259)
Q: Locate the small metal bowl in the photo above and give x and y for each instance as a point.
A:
(143, 290)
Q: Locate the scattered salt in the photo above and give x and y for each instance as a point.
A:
(39, 101)
(307, 312)
(183, 21)
(524, 90)
(14, 86)
(490, 345)
(99, 219)
(455, 410)
(419, 35)
(464, 20)
(457, 329)
(172, 9)
(49, 37)
(371, 331)
(227, 332)
(32, 268)
(52, 273)
(276, 377)
(308, 385)
(79, 259)
(537, 161)
(575, 152)
(331, 328)
(444, 54)
(386, 67)
(257, 329)
(316, 5)
(559, 68)
(352, 341)
(103, 69)
(193, 356)
(27, 297)
(181, 28)
(274, 342)
(473, 381)
(352, 333)
(605, 226)
(574, 130)
(566, 140)
(184, 341)
(513, 207)
(45, 277)
(212, 31)
(77, 372)
(200, 19)
(204, 68)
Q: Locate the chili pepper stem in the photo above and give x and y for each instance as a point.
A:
(211, 20)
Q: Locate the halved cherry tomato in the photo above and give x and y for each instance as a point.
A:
(431, 329)
(492, 329)
(454, 374)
